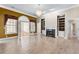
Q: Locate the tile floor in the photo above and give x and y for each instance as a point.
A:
(34, 44)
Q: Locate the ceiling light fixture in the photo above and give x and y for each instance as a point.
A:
(39, 11)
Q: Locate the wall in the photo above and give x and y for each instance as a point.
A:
(13, 13)
(39, 26)
(71, 14)
(51, 19)
(1, 24)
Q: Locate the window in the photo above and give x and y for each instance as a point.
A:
(24, 26)
(32, 27)
(11, 26)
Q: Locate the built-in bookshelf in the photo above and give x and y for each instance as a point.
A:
(61, 23)
(42, 24)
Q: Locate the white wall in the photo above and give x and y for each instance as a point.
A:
(38, 26)
(51, 21)
(77, 27)
(70, 14)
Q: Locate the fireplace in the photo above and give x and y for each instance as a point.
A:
(50, 32)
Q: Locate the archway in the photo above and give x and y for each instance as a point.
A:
(23, 25)
(23, 31)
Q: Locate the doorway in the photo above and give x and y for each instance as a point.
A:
(23, 26)
(72, 29)
(23, 31)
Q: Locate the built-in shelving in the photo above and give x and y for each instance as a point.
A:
(61, 23)
(42, 24)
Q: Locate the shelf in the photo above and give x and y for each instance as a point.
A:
(61, 23)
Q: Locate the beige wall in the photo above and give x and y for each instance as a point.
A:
(1, 24)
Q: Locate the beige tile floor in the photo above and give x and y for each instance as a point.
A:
(38, 45)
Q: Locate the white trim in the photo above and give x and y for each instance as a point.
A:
(16, 10)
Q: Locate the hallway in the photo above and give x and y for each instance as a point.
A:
(38, 44)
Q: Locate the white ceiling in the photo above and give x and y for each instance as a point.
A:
(31, 8)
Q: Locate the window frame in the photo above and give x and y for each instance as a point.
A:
(11, 17)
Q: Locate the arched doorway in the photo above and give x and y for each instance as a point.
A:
(23, 26)
(23, 31)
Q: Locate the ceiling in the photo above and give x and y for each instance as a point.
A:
(32, 8)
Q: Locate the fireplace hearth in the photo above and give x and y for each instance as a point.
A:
(50, 32)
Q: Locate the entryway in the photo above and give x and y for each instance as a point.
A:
(73, 28)
(23, 26)
(23, 30)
